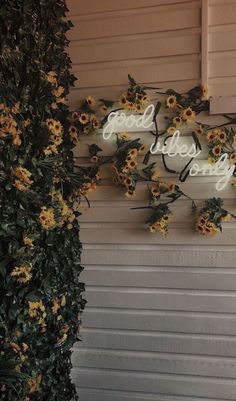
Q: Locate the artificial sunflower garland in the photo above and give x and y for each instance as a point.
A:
(126, 162)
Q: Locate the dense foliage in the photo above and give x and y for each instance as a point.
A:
(40, 248)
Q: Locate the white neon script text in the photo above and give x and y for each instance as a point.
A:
(117, 121)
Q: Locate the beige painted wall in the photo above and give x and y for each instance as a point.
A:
(160, 320)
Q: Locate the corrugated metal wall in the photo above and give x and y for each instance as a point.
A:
(160, 323)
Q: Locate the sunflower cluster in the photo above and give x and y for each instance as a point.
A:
(21, 178)
(22, 273)
(66, 213)
(55, 136)
(210, 217)
(185, 107)
(57, 91)
(219, 141)
(9, 127)
(161, 188)
(37, 310)
(134, 98)
(160, 225)
(47, 218)
(125, 163)
(85, 120)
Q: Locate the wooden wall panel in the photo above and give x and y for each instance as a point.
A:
(160, 321)
(222, 48)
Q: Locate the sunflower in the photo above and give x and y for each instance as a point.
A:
(132, 164)
(152, 228)
(94, 121)
(211, 160)
(133, 152)
(222, 136)
(50, 122)
(204, 90)
(216, 150)
(51, 149)
(84, 118)
(171, 130)
(55, 306)
(155, 191)
(94, 159)
(145, 99)
(56, 128)
(123, 100)
(28, 241)
(233, 158)
(211, 136)
(57, 140)
(188, 114)
(142, 148)
(171, 102)
(139, 108)
(125, 169)
(130, 194)
(125, 137)
(128, 181)
(177, 121)
(73, 134)
(51, 77)
(58, 91)
(91, 101)
(199, 130)
(103, 109)
(75, 116)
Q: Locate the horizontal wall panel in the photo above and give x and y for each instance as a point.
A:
(181, 300)
(116, 395)
(182, 322)
(224, 67)
(222, 41)
(224, 86)
(154, 362)
(150, 21)
(130, 49)
(82, 7)
(216, 256)
(159, 342)
(136, 236)
(157, 72)
(208, 279)
(222, 14)
(167, 384)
